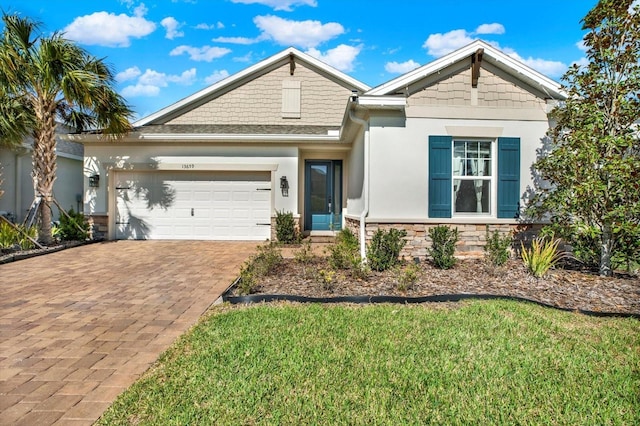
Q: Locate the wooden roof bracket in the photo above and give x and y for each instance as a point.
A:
(476, 60)
(292, 63)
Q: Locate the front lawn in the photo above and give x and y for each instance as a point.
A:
(474, 363)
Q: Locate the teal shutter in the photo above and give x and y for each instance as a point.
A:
(508, 177)
(440, 176)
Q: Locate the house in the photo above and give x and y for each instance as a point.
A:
(18, 182)
(451, 143)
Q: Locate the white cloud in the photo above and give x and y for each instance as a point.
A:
(141, 10)
(401, 67)
(108, 29)
(280, 4)
(440, 44)
(494, 28)
(216, 76)
(150, 83)
(128, 74)
(140, 90)
(546, 67)
(171, 26)
(218, 25)
(237, 40)
(204, 53)
(341, 57)
(305, 34)
(160, 79)
(580, 45)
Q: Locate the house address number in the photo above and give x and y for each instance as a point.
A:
(188, 166)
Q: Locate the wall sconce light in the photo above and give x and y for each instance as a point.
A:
(94, 181)
(284, 186)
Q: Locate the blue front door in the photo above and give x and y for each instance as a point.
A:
(323, 195)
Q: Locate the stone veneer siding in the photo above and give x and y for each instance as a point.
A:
(98, 226)
(471, 237)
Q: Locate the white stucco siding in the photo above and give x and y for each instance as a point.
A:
(104, 159)
(399, 161)
(18, 183)
(355, 177)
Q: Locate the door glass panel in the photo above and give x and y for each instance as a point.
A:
(337, 183)
(318, 186)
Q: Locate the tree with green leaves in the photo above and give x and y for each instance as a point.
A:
(47, 79)
(591, 173)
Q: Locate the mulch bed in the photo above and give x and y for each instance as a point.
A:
(9, 255)
(562, 288)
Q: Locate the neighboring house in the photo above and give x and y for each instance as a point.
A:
(18, 182)
(451, 142)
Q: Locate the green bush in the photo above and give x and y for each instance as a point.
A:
(305, 254)
(24, 242)
(496, 251)
(384, 249)
(267, 260)
(247, 283)
(73, 226)
(345, 252)
(286, 231)
(542, 255)
(8, 236)
(443, 246)
(408, 276)
(264, 262)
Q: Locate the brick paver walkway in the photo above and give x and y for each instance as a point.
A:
(79, 326)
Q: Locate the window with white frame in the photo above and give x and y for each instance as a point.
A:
(472, 177)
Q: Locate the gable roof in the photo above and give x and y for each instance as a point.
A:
(491, 55)
(246, 75)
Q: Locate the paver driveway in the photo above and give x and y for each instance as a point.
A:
(79, 326)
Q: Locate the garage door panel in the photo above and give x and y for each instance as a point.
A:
(176, 205)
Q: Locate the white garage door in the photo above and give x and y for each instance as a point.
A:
(193, 205)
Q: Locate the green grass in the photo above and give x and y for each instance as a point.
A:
(497, 362)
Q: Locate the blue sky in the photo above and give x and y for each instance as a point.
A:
(165, 50)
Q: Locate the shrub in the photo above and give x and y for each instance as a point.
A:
(326, 278)
(408, 275)
(8, 236)
(264, 262)
(496, 251)
(305, 257)
(384, 249)
(443, 246)
(24, 242)
(305, 254)
(542, 255)
(73, 226)
(11, 238)
(345, 252)
(286, 231)
(247, 283)
(267, 260)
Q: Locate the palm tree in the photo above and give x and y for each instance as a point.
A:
(46, 80)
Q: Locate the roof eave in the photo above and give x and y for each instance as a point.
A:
(549, 86)
(206, 137)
